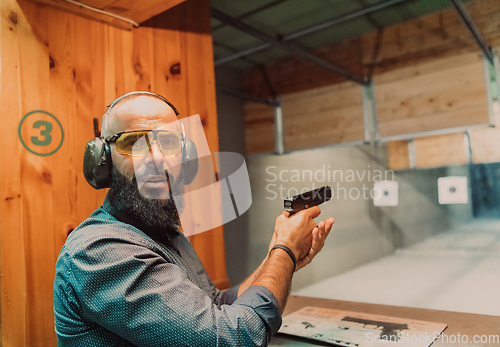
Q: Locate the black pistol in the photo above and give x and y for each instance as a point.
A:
(308, 199)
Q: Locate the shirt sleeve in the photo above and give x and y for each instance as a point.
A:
(228, 296)
(135, 293)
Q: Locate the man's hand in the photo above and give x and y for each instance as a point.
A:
(295, 231)
(319, 235)
(305, 239)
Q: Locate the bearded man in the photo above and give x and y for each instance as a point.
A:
(127, 276)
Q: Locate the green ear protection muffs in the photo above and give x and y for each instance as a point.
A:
(97, 164)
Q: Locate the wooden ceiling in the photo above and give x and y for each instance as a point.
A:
(131, 12)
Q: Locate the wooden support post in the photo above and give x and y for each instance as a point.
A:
(370, 113)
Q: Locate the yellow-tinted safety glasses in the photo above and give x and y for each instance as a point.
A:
(137, 143)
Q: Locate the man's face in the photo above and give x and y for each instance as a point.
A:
(146, 113)
(142, 184)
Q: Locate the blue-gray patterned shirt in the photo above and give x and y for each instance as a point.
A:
(117, 286)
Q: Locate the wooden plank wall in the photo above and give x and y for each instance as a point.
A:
(312, 118)
(444, 93)
(293, 74)
(430, 151)
(484, 145)
(484, 142)
(449, 149)
(399, 154)
(441, 150)
(427, 73)
(73, 67)
(259, 128)
(322, 116)
(424, 39)
(438, 35)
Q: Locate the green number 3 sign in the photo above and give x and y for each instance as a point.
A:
(45, 133)
(41, 133)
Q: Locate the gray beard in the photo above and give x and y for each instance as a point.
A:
(157, 214)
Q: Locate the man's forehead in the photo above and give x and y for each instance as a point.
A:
(141, 112)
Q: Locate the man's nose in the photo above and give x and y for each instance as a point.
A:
(156, 157)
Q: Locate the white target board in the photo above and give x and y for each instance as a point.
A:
(386, 193)
(453, 190)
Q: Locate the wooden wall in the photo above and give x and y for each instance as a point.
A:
(444, 93)
(427, 75)
(448, 92)
(485, 145)
(322, 116)
(427, 38)
(312, 118)
(398, 154)
(259, 128)
(441, 150)
(73, 67)
(449, 149)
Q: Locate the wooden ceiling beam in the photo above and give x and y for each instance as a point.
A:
(124, 14)
(225, 18)
(140, 11)
(437, 35)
